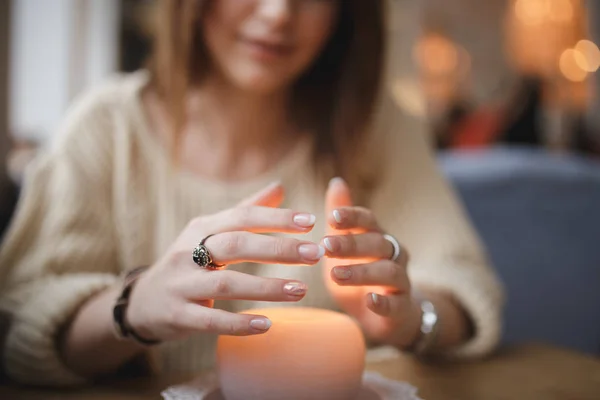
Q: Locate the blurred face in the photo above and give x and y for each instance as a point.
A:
(265, 45)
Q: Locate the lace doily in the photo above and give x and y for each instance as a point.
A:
(375, 387)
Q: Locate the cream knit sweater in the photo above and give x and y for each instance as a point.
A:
(103, 199)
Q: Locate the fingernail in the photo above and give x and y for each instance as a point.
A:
(375, 298)
(335, 180)
(337, 216)
(311, 251)
(261, 324)
(295, 288)
(328, 244)
(342, 273)
(305, 220)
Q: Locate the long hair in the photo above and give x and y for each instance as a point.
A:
(334, 99)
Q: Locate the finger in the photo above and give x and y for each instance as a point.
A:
(353, 217)
(337, 195)
(233, 285)
(270, 196)
(220, 322)
(398, 306)
(364, 245)
(379, 273)
(235, 247)
(258, 219)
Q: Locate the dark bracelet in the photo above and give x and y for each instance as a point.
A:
(123, 330)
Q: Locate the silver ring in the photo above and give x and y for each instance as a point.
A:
(396, 244)
(202, 257)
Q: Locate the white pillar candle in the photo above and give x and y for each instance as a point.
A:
(307, 354)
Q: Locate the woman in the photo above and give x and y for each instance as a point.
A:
(239, 94)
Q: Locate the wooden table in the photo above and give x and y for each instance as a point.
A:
(525, 372)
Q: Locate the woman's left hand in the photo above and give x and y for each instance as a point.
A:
(360, 258)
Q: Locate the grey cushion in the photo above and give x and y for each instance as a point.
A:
(539, 217)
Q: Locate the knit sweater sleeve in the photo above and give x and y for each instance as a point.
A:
(414, 202)
(61, 247)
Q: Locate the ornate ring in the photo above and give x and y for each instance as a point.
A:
(396, 244)
(201, 256)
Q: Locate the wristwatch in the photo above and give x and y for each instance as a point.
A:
(122, 329)
(429, 330)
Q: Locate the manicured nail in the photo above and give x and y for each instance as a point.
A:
(375, 298)
(328, 244)
(305, 220)
(295, 288)
(261, 324)
(335, 181)
(337, 216)
(342, 273)
(311, 251)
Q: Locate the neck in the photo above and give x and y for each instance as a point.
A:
(228, 117)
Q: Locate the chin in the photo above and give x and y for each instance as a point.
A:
(260, 82)
(260, 86)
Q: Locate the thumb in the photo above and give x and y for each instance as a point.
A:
(270, 196)
(338, 195)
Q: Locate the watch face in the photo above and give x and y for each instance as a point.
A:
(429, 320)
(429, 328)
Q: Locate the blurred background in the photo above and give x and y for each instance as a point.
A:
(507, 90)
(478, 73)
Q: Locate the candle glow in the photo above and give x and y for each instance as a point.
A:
(306, 354)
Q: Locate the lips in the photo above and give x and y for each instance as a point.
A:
(266, 49)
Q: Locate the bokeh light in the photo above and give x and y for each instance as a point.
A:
(436, 55)
(531, 12)
(569, 65)
(589, 55)
(560, 10)
(536, 12)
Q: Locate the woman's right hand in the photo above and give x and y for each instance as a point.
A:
(175, 297)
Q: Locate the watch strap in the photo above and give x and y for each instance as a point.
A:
(123, 330)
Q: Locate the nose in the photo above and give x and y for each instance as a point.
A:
(276, 12)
